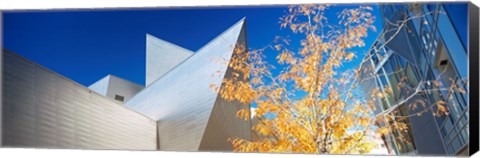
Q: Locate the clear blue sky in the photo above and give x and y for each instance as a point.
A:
(86, 45)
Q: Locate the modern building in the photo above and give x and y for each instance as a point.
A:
(424, 49)
(189, 114)
(176, 110)
(42, 109)
(116, 88)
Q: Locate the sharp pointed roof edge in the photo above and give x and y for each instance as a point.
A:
(109, 76)
(240, 22)
(166, 42)
(124, 79)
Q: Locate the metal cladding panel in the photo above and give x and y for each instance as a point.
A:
(425, 131)
(426, 135)
(101, 86)
(42, 109)
(162, 56)
(402, 45)
(223, 123)
(122, 87)
(111, 85)
(182, 99)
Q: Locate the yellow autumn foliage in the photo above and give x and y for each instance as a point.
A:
(307, 107)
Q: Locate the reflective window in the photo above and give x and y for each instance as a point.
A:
(459, 17)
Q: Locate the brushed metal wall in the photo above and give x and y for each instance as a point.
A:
(162, 56)
(101, 86)
(42, 109)
(111, 85)
(223, 123)
(122, 87)
(182, 100)
(179, 111)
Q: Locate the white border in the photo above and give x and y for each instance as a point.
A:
(15, 5)
(70, 4)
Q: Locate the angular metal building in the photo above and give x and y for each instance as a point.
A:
(116, 88)
(176, 110)
(162, 56)
(189, 113)
(42, 109)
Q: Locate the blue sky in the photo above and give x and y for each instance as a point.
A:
(86, 45)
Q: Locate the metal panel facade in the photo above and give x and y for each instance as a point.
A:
(101, 86)
(223, 123)
(111, 85)
(162, 56)
(45, 110)
(122, 87)
(182, 100)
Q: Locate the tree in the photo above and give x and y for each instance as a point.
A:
(314, 103)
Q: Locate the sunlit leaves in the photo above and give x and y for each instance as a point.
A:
(244, 114)
(442, 108)
(350, 56)
(308, 106)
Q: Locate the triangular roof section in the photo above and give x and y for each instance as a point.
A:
(182, 99)
(162, 56)
(116, 87)
(100, 86)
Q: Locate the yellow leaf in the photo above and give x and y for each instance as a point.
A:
(278, 47)
(461, 90)
(293, 27)
(350, 56)
(244, 114)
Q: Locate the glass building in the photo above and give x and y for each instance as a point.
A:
(420, 60)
